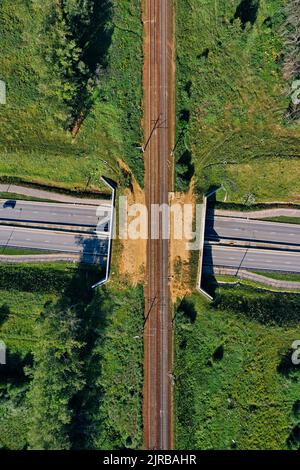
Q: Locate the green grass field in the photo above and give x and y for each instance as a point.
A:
(236, 386)
(10, 251)
(231, 99)
(73, 377)
(54, 71)
(210, 282)
(281, 276)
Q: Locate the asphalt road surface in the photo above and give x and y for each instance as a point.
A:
(260, 231)
(251, 258)
(68, 242)
(53, 213)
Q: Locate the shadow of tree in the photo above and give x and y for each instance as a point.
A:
(187, 310)
(286, 366)
(13, 371)
(247, 12)
(4, 313)
(293, 440)
(87, 402)
(86, 24)
(296, 409)
(92, 31)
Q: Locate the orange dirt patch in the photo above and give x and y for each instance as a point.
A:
(132, 261)
(179, 252)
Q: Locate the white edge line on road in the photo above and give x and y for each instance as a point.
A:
(252, 221)
(255, 250)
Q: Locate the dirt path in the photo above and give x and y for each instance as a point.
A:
(250, 276)
(260, 214)
(49, 195)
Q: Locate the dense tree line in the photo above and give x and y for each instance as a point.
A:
(79, 385)
(78, 38)
(56, 378)
(291, 40)
(291, 49)
(270, 308)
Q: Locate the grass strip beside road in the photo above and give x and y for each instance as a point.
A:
(22, 197)
(283, 220)
(280, 276)
(10, 251)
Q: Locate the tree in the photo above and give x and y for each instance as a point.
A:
(56, 378)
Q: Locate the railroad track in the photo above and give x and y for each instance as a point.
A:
(158, 122)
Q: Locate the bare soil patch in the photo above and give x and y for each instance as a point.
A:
(179, 252)
(132, 262)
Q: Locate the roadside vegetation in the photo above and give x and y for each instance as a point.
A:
(294, 277)
(291, 38)
(236, 385)
(73, 75)
(10, 251)
(284, 220)
(73, 377)
(211, 282)
(232, 98)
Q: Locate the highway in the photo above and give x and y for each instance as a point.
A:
(258, 244)
(45, 219)
(158, 129)
(52, 213)
(50, 240)
(254, 230)
(252, 258)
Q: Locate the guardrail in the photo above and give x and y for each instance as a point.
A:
(113, 205)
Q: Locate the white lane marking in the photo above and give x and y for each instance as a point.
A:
(255, 251)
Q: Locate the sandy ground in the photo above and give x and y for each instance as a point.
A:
(179, 253)
(133, 258)
(132, 262)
